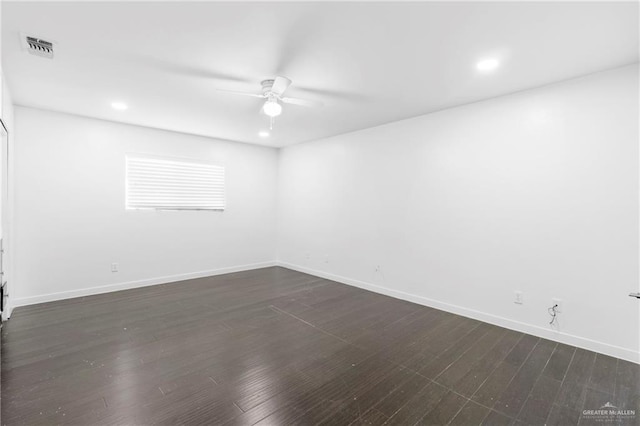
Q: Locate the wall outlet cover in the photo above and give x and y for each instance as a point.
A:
(519, 298)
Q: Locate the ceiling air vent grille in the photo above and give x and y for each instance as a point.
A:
(39, 47)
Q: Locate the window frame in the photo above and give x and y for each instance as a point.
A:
(142, 156)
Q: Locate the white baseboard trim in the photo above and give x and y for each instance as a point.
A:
(24, 301)
(569, 339)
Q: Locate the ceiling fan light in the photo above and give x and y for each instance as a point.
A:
(272, 108)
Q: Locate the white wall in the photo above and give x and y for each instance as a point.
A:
(536, 192)
(71, 222)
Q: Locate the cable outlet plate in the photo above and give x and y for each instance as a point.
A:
(556, 301)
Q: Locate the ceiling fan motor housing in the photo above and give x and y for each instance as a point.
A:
(267, 85)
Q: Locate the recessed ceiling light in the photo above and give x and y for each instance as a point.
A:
(263, 134)
(488, 64)
(120, 106)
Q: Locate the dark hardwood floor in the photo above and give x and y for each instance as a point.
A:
(274, 346)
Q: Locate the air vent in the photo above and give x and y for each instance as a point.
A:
(39, 47)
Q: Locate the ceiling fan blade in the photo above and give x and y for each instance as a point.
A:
(280, 84)
(336, 94)
(234, 92)
(302, 102)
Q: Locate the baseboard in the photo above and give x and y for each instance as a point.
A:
(24, 301)
(569, 339)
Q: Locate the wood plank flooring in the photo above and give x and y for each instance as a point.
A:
(275, 346)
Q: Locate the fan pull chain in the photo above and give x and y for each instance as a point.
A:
(270, 123)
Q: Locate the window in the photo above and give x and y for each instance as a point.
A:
(168, 184)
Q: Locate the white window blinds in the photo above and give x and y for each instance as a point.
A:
(168, 184)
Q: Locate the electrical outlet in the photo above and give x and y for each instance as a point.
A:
(326, 258)
(558, 302)
(307, 256)
(114, 267)
(377, 268)
(519, 298)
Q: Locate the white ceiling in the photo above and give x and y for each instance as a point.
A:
(370, 63)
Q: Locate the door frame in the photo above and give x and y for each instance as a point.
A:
(5, 219)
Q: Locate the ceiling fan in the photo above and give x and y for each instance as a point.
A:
(273, 91)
